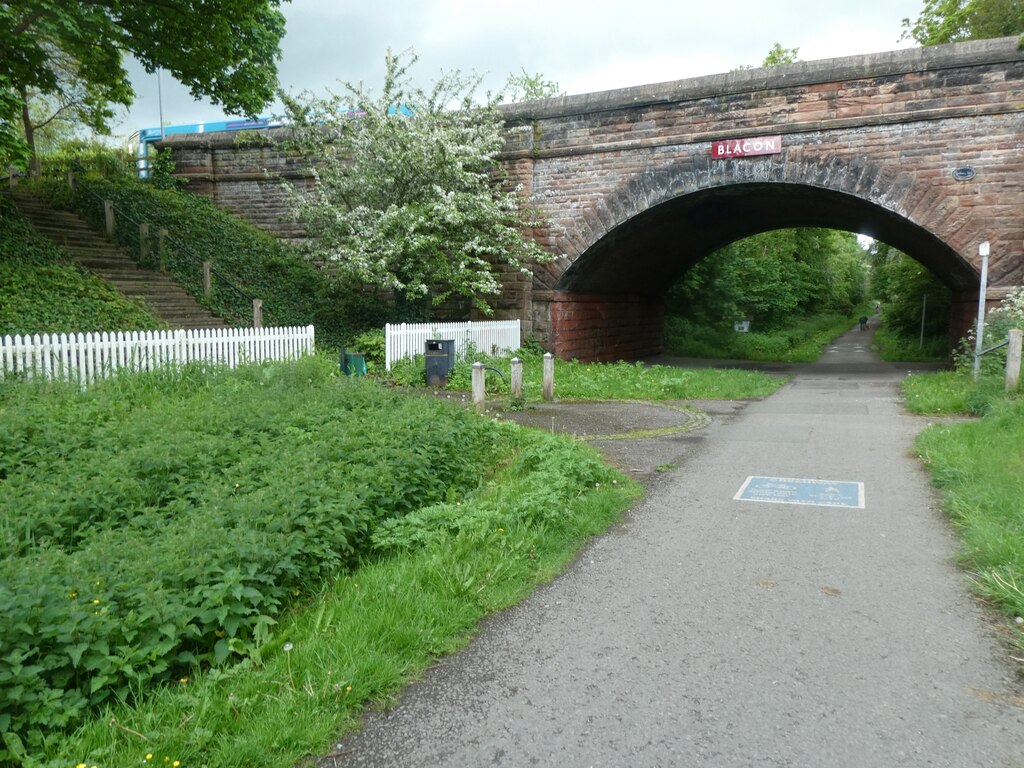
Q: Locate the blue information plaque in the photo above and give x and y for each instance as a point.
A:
(788, 490)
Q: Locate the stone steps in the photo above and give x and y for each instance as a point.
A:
(158, 290)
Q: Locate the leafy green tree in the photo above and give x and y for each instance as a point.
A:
(772, 278)
(779, 55)
(776, 57)
(527, 87)
(953, 21)
(407, 196)
(902, 284)
(224, 50)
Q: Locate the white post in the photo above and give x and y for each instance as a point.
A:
(1013, 359)
(983, 251)
(478, 386)
(517, 378)
(549, 376)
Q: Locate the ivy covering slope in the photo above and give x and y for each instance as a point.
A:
(293, 290)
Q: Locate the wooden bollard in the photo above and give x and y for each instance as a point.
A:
(207, 279)
(549, 376)
(1013, 359)
(161, 246)
(478, 385)
(108, 216)
(144, 242)
(257, 313)
(517, 378)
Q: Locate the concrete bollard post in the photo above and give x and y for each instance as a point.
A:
(257, 313)
(478, 385)
(1013, 359)
(12, 176)
(549, 376)
(108, 216)
(207, 279)
(144, 243)
(517, 378)
(71, 179)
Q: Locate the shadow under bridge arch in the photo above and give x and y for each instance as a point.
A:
(609, 303)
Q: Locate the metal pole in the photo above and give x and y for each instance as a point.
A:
(983, 251)
(160, 99)
(924, 307)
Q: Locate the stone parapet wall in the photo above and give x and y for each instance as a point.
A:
(248, 174)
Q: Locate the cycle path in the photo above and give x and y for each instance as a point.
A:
(707, 631)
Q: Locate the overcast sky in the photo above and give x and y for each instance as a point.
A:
(582, 45)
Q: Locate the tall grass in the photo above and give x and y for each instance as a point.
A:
(802, 341)
(895, 347)
(575, 380)
(979, 468)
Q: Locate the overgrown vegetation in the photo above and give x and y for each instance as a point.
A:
(42, 292)
(977, 465)
(798, 289)
(294, 291)
(169, 538)
(598, 381)
(802, 341)
(915, 307)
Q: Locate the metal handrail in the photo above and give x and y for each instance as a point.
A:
(175, 242)
(994, 348)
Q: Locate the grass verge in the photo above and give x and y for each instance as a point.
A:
(602, 381)
(979, 468)
(895, 347)
(802, 342)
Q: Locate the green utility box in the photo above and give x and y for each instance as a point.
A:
(352, 363)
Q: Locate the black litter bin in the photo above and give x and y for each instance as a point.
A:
(440, 357)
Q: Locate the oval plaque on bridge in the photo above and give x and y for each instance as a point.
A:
(963, 174)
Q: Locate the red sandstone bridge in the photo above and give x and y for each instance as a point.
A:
(922, 149)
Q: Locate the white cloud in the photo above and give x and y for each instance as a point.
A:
(584, 46)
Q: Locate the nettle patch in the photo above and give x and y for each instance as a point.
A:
(160, 524)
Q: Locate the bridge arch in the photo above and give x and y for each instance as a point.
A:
(651, 229)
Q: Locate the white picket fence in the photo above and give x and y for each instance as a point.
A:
(86, 357)
(406, 340)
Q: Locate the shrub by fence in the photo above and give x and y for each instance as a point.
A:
(86, 357)
(493, 337)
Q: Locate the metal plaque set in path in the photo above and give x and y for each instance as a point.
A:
(787, 490)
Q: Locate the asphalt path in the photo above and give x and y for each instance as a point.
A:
(709, 631)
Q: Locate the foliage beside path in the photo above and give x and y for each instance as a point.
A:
(978, 466)
(220, 566)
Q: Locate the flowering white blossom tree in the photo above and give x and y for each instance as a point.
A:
(408, 195)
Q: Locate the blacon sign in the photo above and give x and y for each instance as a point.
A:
(761, 145)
